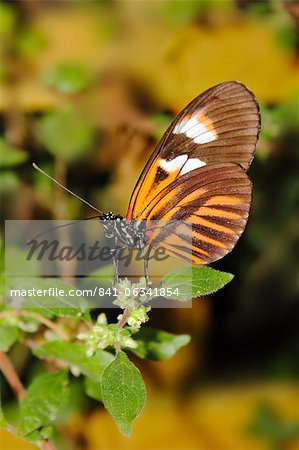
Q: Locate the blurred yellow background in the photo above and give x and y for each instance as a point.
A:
(87, 89)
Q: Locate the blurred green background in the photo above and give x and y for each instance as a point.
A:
(86, 90)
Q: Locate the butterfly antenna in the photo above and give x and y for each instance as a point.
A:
(61, 226)
(66, 189)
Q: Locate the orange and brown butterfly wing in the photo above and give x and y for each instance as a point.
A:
(219, 126)
(201, 216)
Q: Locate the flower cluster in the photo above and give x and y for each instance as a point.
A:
(131, 295)
(103, 335)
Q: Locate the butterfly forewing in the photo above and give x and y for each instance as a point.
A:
(220, 125)
(194, 192)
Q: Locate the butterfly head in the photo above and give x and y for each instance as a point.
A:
(108, 216)
(109, 220)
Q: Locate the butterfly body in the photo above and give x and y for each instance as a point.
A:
(126, 234)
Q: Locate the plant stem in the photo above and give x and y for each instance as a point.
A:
(11, 376)
(122, 322)
(48, 445)
(11, 429)
(48, 323)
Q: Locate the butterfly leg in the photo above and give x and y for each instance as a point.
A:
(115, 260)
(115, 263)
(146, 274)
(145, 267)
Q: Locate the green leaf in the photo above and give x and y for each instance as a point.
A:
(93, 389)
(264, 422)
(40, 435)
(43, 400)
(34, 436)
(268, 424)
(8, 19)
(178, 13)
(203, 281)
(2, 419)
(161, 122)
(104, 275)
(68, 78)
(9, 334)
(76, 401)
(123, 391)
(9, 182)
(157, 344)
(74, 354)
(62, 304)
(259, 9)
(15, 262)
(30, 42)
(67, 133)
(287, 36)
(10, 156)
(46, 432)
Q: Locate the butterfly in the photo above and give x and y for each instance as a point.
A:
(193, 195)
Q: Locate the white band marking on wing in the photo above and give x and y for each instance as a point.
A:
(173, 164)
(195, 130)
(191, 164)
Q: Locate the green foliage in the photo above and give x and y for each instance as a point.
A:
(67, 133)
(9, 334)
(7, 19)
(69, 78)
(180, 13)
(44, 399)
(75, 355)
(203, 281)
(62, 304)
(259, 9)
(161, 122)
(268, 425)
(93, 389)
(30, 42)
(104, 335)
(9, 182)
(10, 156)
(133, 301)
(278, 120)
(2, 419)
(104, 275)
(14, 263)
(181, 35)
(123, 391)
(109, 376)
(287, 36)
(157, 344)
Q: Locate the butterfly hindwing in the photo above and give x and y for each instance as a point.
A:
(201, 216)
